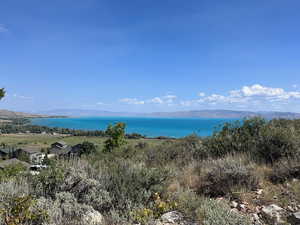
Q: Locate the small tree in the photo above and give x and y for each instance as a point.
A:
(2, 93)
(87, 148)
(116, 135)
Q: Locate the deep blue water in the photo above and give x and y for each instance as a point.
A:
(151, 127)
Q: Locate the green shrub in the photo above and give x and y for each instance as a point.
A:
(86, 148)
(21, 210)
(131, 185)
(285, 170)
(188, 202)
(264, 141)
(11, 171)
(65, 210)
(223, 176)
(214, 212)
(275, 143)
(49, 181)
(238, 136)
(179, 152)
(116, 134)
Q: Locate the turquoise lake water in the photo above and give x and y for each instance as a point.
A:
(151, 127)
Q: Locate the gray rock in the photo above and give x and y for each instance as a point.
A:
(174, 218)
(93, 218)
(273, 213)
(234, 204)
(294, 219)
(259, 191)
(255, 219)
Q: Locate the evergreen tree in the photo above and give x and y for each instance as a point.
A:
(116, 135)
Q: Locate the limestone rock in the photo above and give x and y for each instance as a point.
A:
(234, 204)
(294, 219)
(174, 218)
(93, 218)
(273, 212)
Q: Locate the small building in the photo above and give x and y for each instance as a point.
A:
(30, 154)
(59, 152)
(59, 144)
(12, 162)
(6, 153)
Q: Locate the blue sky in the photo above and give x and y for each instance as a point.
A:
(150, 55)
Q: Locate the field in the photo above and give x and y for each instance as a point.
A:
(44, 141)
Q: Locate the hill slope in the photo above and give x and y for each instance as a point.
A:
(188, 114)
(6, 114)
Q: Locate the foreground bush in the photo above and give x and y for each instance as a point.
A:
(223, 176)
(132, 186)
(179, 152)
(275, 143)
(265, 141)
(21, 210)
(215, 212)
(65, 210)
(285, 170)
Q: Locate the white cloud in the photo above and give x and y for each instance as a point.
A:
(255, 97)
(170, 97)
(22, 97)
(156, 100)
(294, 85)
(252, 95)
(167, 99)
(259, 90)
(132, 101)
(100, 103)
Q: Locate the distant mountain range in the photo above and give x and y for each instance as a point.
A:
(6, 114)
(187, 114)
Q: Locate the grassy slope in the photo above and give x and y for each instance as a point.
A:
(45, 141)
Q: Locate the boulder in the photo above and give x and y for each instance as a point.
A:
(174, 218)
(93, 218)
(294, 219)
(234, 204)
(273, 213)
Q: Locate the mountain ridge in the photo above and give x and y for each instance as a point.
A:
(8, 114)
(221, 113)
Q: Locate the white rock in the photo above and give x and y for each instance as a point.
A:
(259, 191)
(174, 218)
(242, 207)
(255, 217)
(234, 204)
(93, 218)
(294, 219)
(273, 212)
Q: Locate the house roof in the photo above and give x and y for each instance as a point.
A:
(6, 150)
(13, 161)
(62, 143)
(59, 151)
(30, 150)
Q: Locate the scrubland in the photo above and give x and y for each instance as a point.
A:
(224, 179)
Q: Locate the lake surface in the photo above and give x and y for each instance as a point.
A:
(151, 127)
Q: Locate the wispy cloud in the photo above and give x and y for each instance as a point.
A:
(3, 29)
(132, 101)
(250, 95)
(166, 99)
(21, 97)
(256, 97)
